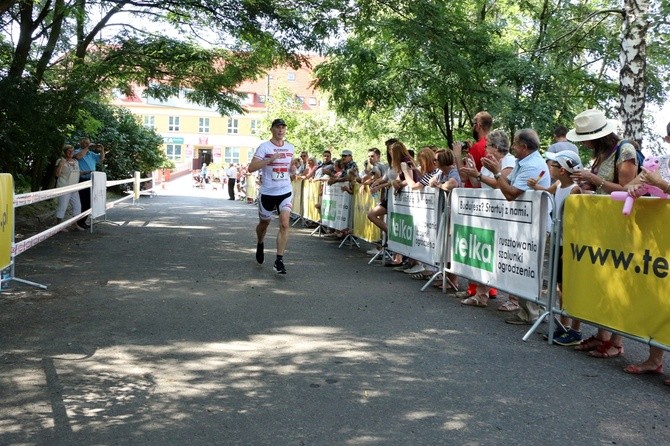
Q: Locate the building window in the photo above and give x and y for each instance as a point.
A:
(231, 155)
(300, 99)
(173, 151)
(203, 125)
(232, 126)
(255, 126)
(150, 122)
(312, 100)
(290, 76)
(261, 99)
(173, 123)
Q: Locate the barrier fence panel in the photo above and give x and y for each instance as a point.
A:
(413, 221)
(615, 268)
(98, 190)
(296, 186)
(98, 194)
(335, 206)
(311, 192)
(6, 219)
(498, 242)
(363, 202)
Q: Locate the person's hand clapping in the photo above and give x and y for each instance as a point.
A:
(491, 163)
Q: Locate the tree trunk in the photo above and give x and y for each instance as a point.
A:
(633, 60)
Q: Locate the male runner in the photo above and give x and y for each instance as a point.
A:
(273, 158)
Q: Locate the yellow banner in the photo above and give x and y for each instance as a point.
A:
(311, 195)
(6, 218)
(363, 202)
(296, 185)
(615, 268)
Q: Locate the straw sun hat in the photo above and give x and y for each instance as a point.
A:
(591, 124)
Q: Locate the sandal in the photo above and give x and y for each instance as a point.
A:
(510, 305)
(667, 382)
(419, 276)
(589, 344)
(603, 351)
(438, 284)
(476, 301)
(635, 369)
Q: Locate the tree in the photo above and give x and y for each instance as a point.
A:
(65, 52)
(531, 64)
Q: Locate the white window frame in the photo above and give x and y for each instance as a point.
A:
(231, 155)
(173, 151)
(255, 126)
(173, 123)
(149, 122)
(291, 76)
(203, 125)
(233, 126)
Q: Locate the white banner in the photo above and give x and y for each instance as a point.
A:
(413, 222)
(335, 207)
(498, 242)
(98, 194)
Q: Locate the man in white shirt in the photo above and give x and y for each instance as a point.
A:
(273, 158)
(231, 173)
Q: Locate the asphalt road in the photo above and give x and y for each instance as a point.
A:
(160, 329)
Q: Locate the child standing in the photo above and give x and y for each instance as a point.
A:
(561, 166)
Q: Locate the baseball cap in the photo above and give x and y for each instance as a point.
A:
(346, 153)
(278, 122)
(568, 160)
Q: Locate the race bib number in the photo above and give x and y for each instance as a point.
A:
(279, 173)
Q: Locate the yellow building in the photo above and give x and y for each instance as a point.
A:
(194, 134)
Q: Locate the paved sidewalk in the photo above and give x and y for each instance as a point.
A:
(161, 329)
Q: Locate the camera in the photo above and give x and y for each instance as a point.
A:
(465, 146)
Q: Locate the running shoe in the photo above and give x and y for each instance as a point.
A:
(571, 337)
(260, 254)
(279, 267)
(558, 332)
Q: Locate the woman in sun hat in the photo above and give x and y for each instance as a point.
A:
(614, 166)
(661, 179)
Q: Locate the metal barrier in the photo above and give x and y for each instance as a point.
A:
(10, 249)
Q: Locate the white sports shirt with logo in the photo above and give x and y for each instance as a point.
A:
(276, 175)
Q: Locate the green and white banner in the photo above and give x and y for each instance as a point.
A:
(335, 207)
(498, 242)
(413, 222)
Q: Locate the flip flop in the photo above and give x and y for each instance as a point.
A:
(419, 276)
(474, 301)
(635, 369)
(509, 306)
(602, 352)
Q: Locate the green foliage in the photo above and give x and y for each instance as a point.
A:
(129, 146)
(32, 123)
(429, 66)
(56, 57)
